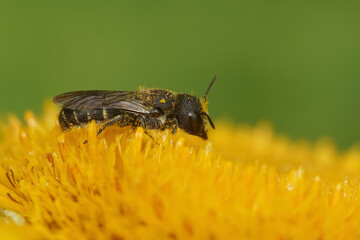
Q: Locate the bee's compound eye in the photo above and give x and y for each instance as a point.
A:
(195, 122)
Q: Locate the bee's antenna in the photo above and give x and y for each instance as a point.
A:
(207, 91)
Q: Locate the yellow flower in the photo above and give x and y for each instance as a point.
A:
(243, 183)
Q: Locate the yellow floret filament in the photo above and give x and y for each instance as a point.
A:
(243, 183)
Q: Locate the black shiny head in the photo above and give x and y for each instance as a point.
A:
(190, 114)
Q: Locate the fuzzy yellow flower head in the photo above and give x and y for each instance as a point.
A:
(243, 183)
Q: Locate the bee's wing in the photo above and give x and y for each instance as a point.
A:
(88, 100)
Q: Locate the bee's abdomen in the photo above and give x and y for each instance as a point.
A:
(69, 117)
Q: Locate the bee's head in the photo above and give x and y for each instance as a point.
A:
(190, 115)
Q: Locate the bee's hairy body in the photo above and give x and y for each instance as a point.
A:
(159, 99)
(149, 108)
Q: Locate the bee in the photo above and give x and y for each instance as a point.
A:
(148, 108)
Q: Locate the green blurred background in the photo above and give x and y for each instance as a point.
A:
(294, 63)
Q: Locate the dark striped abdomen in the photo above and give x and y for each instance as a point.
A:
(69, 117)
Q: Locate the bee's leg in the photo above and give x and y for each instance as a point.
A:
(174, 126)
(171, 124)
(142, 121)
(111, 122)
(143, 124)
